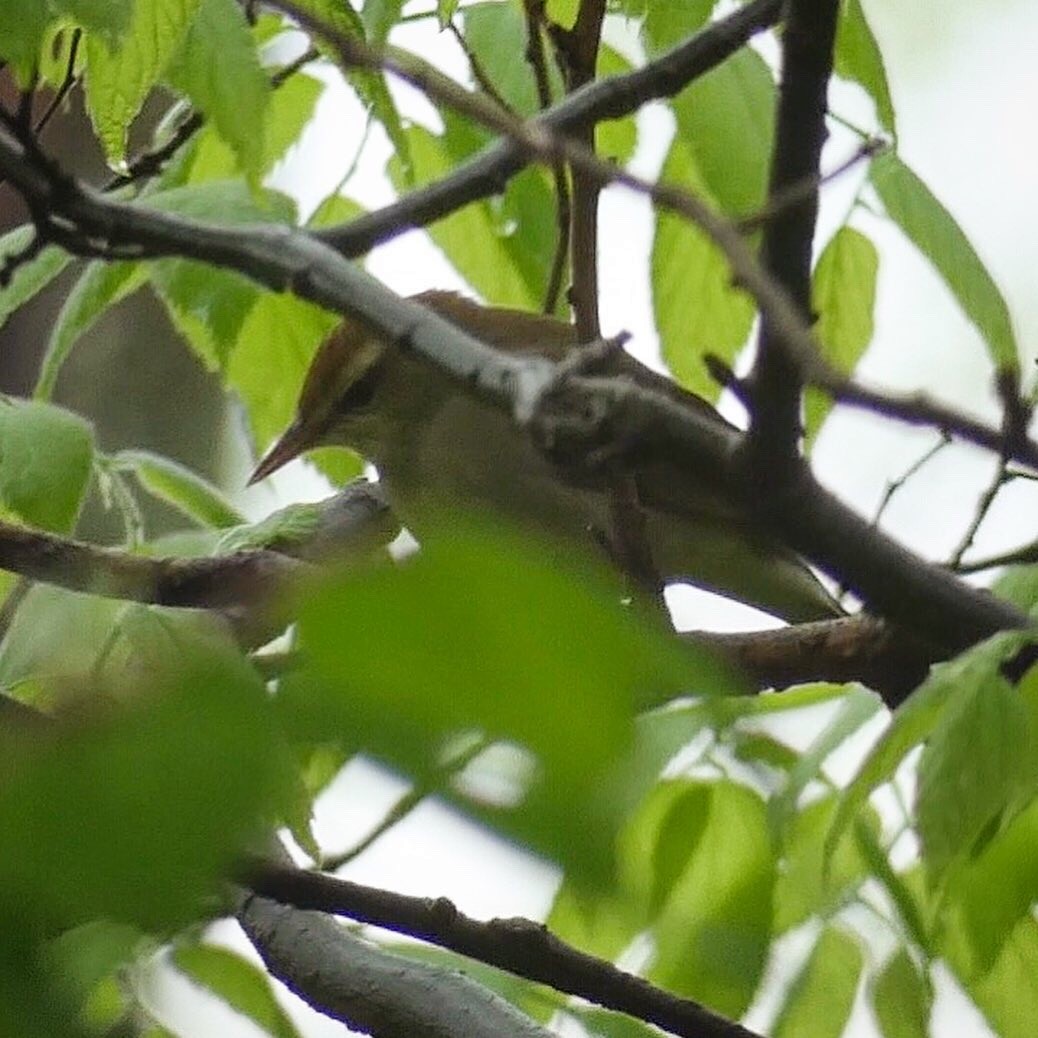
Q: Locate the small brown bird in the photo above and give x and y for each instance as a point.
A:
(439, 450)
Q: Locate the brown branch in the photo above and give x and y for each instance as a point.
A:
(371, 990)
(535, 57)
(578, 52)
(487, 173)
(857, 648)
(596, 418)
(807, 56)
(519, 946)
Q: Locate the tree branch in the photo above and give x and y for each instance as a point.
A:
(775, 384)
(371, 990)
(519, 946)
(487, 173)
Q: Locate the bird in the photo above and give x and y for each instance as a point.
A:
(441, 452)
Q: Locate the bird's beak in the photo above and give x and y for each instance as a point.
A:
(294, 440)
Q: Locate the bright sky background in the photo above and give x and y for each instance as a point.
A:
(964, 84)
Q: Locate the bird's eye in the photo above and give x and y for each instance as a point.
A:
(360, 394)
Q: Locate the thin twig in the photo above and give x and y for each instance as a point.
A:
(895, 485)
(414, 797)
(986, 500)
(66, 84)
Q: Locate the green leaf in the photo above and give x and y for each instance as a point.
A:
(843, 295)
(600, 1023)
(1007, 995)
(22, 32)
(170, 785)
(276, 343)
(901, 998)
(120, 77)
(820, 1000)
(986, 898)
(562, 12)
(805, 886)
(970, 769)
(445, 10)
(1019, 585)
(333, 210)
(56, 638)
(858, 707)
(694, 303)
(934, 232)
(46, 454)
(107, 18)
(242, 985)
(471, 238)
(31, 277)
(180, 487)
(669, 23)
(913, 721)
(87, 955)
(712, 935)
(209, 305)
(218, 68)
(401, 660)
(726, 120)
(287, 113)
(379, 16)
(496, 35)
(857, 57)
(100, 286)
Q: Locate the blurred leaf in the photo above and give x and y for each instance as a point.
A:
(31, 277)
(26, 23)
(987, 897)
(86, 955)
(695, 306)
(245, 987)
(726, 120)
(151, 801)
(713, 934)
(913, 721)
(970, 769)
(275, 345)
(669, 23)
(934, 232)
(120, 77)
(333, 210)
(402, 659)
(471, 238)
(100, 286)
(805, 886)
(56, 636)
(599, 922)
(46, 455)
(1019, 585)
(901, 998)
(857, 708)
(209, 305)
(22, 32)
(600, 1023)
(843, 295)
(1008, 995)
(288, 112)
(857, 58)
(616, 139)
(820, 1000)
(216, 65)
(180, 487)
